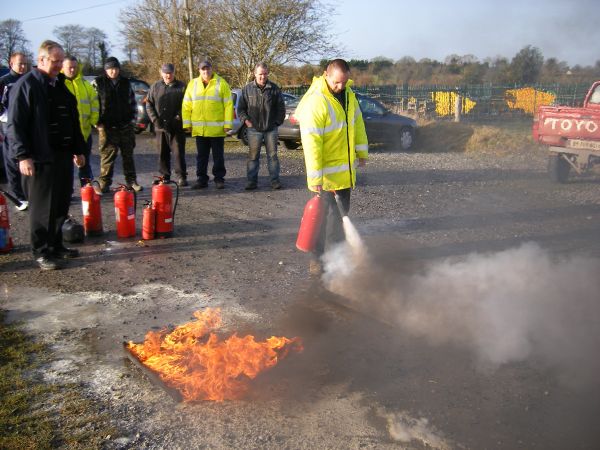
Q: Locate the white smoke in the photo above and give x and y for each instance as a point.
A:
(508, 306)
(406, 429)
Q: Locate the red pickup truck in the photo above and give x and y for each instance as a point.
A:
(572, 134)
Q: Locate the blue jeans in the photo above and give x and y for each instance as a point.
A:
(255, 140)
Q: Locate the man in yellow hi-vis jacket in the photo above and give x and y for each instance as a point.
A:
(334, 142)
(207, 111)
(87, 105)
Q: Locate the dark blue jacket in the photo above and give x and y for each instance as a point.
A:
(6, 83)
(28, 119)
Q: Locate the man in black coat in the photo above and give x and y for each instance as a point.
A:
(262, 109)
(45, 137)
(118, 110)
(18, 67)
(164, 110)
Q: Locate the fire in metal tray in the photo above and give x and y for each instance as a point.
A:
(194, 364)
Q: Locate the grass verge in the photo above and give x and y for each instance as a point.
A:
(38, 415)
(498, 137)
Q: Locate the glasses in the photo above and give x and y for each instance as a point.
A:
(53, 61)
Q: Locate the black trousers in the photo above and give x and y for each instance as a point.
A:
(203, 146)
(171, 143)
(332, 228)
(49, 197)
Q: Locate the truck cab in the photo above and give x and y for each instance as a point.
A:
(572, 135)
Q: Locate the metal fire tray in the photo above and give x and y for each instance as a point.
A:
(152, 375)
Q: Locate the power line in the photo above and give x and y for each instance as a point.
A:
(75, 10)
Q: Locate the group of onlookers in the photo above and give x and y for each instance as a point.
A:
(48, 113)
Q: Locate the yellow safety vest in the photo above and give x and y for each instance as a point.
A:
(208, 110)
(332, 138)
(87, 102)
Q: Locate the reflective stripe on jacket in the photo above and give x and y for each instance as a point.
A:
(87, 102)
(208, 110)
(332, 138)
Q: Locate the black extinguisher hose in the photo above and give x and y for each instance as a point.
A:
(176, 198)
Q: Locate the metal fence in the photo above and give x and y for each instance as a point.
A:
(476, 101)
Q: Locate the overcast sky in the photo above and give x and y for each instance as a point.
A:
(567, 30)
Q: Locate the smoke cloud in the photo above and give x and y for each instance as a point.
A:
(518, 304)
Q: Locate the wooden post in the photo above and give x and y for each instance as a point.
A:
(457, 107)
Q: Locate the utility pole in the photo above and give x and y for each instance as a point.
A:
(188, 38)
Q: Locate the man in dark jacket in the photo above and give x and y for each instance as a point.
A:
(115, 124)
(164, 109)
(18, 67)
(262, 109)
(45, 137)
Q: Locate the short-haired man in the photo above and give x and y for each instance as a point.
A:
(118, 110)
(45, 137)
(164, 109)
(262, 109)
(334, 140)
(18, 66)
(87, 105)
(208, 112)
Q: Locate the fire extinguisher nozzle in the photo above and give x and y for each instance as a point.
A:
(338, 202)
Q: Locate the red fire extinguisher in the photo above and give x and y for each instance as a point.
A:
(311, 224)
(92, 212)
(6, 243)
(125, 211)
(164, 208)
(148, 222)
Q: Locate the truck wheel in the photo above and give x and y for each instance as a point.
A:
(291, 145)
(558, 168)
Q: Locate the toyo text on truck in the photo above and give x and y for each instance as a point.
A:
(572, 135)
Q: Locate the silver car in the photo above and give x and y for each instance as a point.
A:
(381, 125)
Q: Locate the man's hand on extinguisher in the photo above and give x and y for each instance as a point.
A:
(317, 188)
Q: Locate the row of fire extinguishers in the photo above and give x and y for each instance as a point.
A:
(157, 221)
(158, 215)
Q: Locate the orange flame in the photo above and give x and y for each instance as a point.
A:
(194, 361)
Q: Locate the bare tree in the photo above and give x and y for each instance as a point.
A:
(236, 34)
(73, 39)
(277, 32)
(154, 33)
(12, 39)
(94, 37)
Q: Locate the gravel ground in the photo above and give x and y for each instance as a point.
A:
(468, 320)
